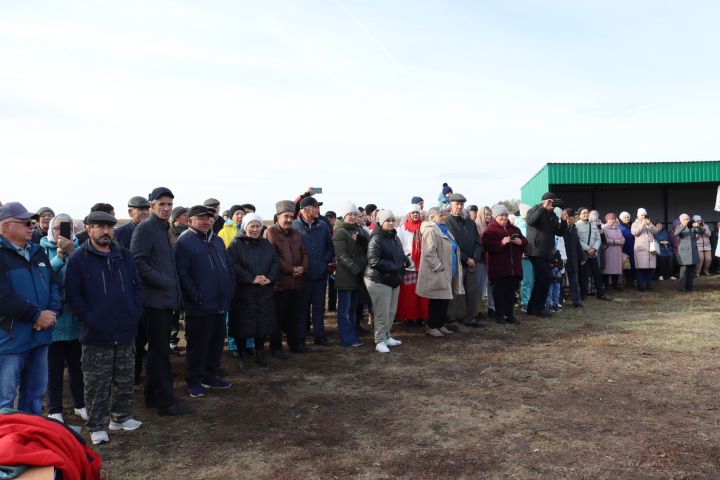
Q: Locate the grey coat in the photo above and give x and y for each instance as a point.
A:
(156, 264)
(687, 244)
(588, 234)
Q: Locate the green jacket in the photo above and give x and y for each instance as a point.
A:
(350, 255)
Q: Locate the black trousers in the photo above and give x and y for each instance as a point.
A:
(664, 266)
(140, 341)
(437, 312)
(60, 352)
(158, 380)
(205, 335)
(543, 277)
(504, 289)
(591, 269)
(331, 295)
(687, 276)
(287, 308)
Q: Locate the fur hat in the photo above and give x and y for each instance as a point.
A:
(285, 206)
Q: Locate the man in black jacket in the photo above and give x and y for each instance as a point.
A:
(139, 210)
(161, 297)
(207, 282)
(468, 240)
(542, 227)
(576, 257)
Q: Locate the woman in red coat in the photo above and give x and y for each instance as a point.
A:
(504, 246)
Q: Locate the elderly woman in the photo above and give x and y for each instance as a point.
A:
(440, 271)
(65, 348)
(664, 260)
(613, 241)
(687, 231)
(504, 246)
(256, 266)
(702, 267)
(386, 264)
(351, 260)
(643, 230)
(628, 249)
(411, 307)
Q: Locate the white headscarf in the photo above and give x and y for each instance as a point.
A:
(61, 217)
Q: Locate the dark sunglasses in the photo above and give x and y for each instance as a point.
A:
(27, 223)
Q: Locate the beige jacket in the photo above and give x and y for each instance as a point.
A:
(434, 276)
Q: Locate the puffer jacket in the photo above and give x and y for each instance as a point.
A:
(67, 326)
(350, 256)
(26, 289)
(386, 258)
(318, 245)
(291, 252)
(206, 276)
(542, 227)
(103, 289)
(503, 260)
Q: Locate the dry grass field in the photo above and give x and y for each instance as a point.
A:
(621, 390)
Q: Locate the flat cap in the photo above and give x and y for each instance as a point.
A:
(160, 192)
(100, 218)
(138, 202)
(458, 197)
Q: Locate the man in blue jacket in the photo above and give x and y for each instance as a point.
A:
(102, 287)
(208, 283)
(139, 210)
(318, 244)
(29, 304)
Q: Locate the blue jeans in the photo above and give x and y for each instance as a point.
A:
(25, 375)
(347, 316)
(553, 297)
(313, 296)
(526, 285)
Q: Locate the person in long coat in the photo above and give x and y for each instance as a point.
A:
(687, 256)
(628, 248)
(645, 262)
(440, 271)
(613, 243)
(256, 266)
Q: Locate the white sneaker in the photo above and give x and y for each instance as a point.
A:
(382, 348)
(82, 413)
(434, 332)
(661, 278)
(673, 278)
(391, 342)
(446, 331)
(129, 424)
(57, 416)
(99, 437)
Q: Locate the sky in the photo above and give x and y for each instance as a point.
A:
(375, 101)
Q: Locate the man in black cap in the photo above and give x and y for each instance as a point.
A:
(319, 247)
(44, 216)
(208, 283)
(139, 210)
(542, 227)
(219, 222)
(103, 289)
(468, 241)
(161, 297)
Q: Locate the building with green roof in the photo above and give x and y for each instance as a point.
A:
(664, 189)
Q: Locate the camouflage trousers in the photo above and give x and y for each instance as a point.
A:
(109, 375)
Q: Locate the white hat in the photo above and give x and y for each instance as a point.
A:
(641, 211)
(624, 215)
(384, 215)
(348, 207)
(414, 207)
(251, 217)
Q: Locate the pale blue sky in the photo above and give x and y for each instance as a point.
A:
(375, 101)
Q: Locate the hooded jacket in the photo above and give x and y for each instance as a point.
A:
(103, 289)
(350, 255)
(386, 258)
(205, 273)
(26, 289)
(318, 245)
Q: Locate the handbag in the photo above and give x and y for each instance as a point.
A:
(654, 246)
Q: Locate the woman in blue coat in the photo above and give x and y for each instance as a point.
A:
(628, 247)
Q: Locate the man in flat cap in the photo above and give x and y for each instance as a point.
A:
(44, 216)
(103, 289)
(289, 289)
(139, 210)
(30, 301)
(161, 298)
(218, 220)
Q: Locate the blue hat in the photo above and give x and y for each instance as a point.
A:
(416, 200)
(160, 192)
(446, 189)
(15, 210)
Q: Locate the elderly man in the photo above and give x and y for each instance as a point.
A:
(30, 301)
(468, 241)
(139, 210)
(687, 256)
(103, 289)
(290, 249)
(590, 241)
(43, 215)
(161, 298)
(208, 283)
(319, 247)
(219, 221)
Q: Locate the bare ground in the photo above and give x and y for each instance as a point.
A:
(621, 390)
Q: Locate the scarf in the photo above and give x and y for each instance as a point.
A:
(414, 228)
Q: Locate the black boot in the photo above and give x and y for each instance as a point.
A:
(260, 358)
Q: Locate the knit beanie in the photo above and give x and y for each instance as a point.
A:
(499, 209)
(348, 207)
(446, 189)
(251, 217)
(383, 216)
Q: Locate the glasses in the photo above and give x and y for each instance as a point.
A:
(27, 223)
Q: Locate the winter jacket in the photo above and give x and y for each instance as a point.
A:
(643, 236)
(588, 234)
(175, 232)
(687, 244)
(156, 264)
(291, 252)
(612, 253)
(703, 238)
(252, 311)
(629, 246)
(542, 226)
(386, 258)
(503, 260)
(435, 278)
(206, 277)
(350, 256)
(103, 289)
(573, 250)
(123, 235)
(318, 245)
(66, 325)
(26, 289)
(466, 235)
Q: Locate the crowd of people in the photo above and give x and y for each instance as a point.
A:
(104, 302)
